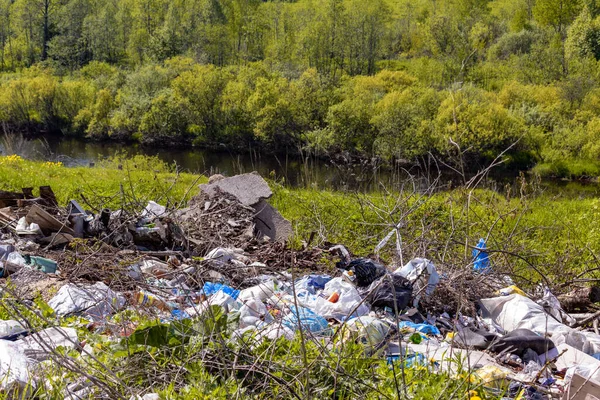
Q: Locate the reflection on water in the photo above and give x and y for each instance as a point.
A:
(293, 171)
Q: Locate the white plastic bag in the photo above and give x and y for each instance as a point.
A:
(10, 327)
(253, 312)
(348, 301)
(261, 291)
(40, 345)
(153, 210)
(519, 312)
(415, 268)
(97, 301)
(14, 368)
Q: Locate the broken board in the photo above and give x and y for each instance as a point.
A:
(46, 221)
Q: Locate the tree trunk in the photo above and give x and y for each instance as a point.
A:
(46, 33)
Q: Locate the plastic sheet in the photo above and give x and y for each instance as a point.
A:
(422, 328)
(210, 289)
(518, 312)
(306, 318)
(97, 301)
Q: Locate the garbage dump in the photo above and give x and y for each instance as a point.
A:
(226, 254)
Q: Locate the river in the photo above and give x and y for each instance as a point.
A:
(292, 171)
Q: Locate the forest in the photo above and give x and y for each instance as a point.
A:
(399, 80)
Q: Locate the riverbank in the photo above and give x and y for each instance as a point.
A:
(529, 226)
(163, 316)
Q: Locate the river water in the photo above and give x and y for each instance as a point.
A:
(292, 171)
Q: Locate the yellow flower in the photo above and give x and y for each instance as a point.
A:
(473, 395)
(11, 159)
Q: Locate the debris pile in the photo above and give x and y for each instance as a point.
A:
(228, 249)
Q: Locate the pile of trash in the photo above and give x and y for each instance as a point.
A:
(228, 249)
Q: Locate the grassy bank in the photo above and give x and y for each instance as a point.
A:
(537, 237)
(112, 183)
(530, 233)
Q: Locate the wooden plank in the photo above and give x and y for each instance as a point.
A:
(46, 221)
(8, 218)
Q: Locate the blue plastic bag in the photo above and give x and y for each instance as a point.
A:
(481, 262)
(179, 315)
(421, 328)
(312, 283)
(308, 320)
(410, 360)
(210, 288)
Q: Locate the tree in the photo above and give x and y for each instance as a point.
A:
(556, 13)
(583, 38)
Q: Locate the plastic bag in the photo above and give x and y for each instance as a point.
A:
(371, 331)
(261, 291)
(14, 368)
(253, 312)
(224, 255)
(481, 261)
(493, 375)
(552, 306)
(10, 327)
(210, 288)
(415, 268)
(153, 210)
(306, 318)
(346, 305)
(312, 283)
(97, 301)
(40, 345)
(392, 291)
(275, 331)
(422, 328)
(518, 312)
(365, 270)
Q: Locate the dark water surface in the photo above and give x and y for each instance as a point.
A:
(293, 171)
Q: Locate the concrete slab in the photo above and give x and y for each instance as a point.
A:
(249, 189)
(271, 223)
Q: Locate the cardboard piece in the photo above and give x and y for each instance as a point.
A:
(582, 389)
(575, 358)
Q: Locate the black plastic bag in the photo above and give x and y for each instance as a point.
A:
(391, 290)
(365, 270)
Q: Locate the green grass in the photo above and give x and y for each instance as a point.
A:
(140, 179)
(533, 232)
(568, 169)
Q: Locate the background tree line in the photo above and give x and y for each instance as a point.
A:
(396, 79)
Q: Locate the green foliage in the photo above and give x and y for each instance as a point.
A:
(390, 79)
